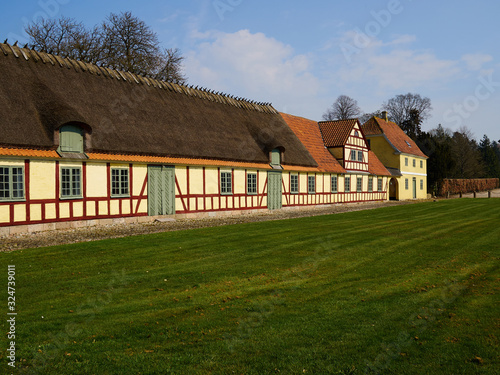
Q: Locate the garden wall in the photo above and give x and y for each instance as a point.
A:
(457, 186)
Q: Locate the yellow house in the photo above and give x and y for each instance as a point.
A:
(401, 156)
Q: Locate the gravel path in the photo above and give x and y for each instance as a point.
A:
(67, 236)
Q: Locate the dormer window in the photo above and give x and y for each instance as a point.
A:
(71, 139)
(408, 143)
(276, 158)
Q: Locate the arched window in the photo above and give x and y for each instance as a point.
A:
(71, 139)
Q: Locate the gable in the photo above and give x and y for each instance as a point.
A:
(394, 136)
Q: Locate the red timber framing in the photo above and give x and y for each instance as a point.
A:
(84, 202)
(306, 199)
(224, 202)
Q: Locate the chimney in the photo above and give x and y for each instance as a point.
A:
(384, 116)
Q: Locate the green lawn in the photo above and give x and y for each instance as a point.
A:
(398, 290)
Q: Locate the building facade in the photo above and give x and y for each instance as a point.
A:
(86, 144)
(401, 156)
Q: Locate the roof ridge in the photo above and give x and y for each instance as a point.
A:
(27, 54)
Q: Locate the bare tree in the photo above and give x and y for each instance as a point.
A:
(123, 42)
(64, 37)
(170, 66)
(343, 108)
(366, 116)
(408, 111)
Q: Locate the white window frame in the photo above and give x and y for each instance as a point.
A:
(226, 183)
(421, 184)
(123, 183)
(406, 162)
(360, 156)
(311, 184)
(353, 155)
(252, 183)
(71, 191)
(370, 184)
(12, 189)
(294, 185)
(334, 184)
(407, 184)
(380, 184)
(359, 184)
(347, 184)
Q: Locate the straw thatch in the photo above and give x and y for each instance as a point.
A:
(127, 113)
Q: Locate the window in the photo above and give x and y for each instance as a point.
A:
(406, 162)
(71, 139)
(276, 157)
(356, 133)
(406, 184)
(11, 183)
(379, 184)
(334, 184)
(353, 155)
(294, 184)
(370, 184)
(347, 184)
(408, 143)
(360, 155)
(119, 182)
(368, 141)
(421, 164)
(311, 184)
(359, 184)
(71, 183)
(414, 163)
(226, 186)
(252, 183)
(421, 184)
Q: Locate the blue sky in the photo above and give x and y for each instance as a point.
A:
(302, 55)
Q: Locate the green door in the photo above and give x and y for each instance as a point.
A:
(161, 190)
(274, 181)
(414, 188)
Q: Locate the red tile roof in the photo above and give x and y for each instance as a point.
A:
(170, 160)
(397, 137)
(28, 152)
(375, 166)
(336, 133)
(309, 134)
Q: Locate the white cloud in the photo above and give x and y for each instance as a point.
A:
(402, 39)
(389, 65)
(252, 65)
(476, 61)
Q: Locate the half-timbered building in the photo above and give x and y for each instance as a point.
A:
(82, 144)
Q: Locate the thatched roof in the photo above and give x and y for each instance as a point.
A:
(127, 113)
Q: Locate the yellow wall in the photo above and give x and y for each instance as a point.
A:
(43, 180)
(97, 180)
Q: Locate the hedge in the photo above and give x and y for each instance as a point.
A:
(456, 186)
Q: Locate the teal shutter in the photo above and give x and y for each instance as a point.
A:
(71, 139)
(276, 157)
(274, 181)
(161, 190)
